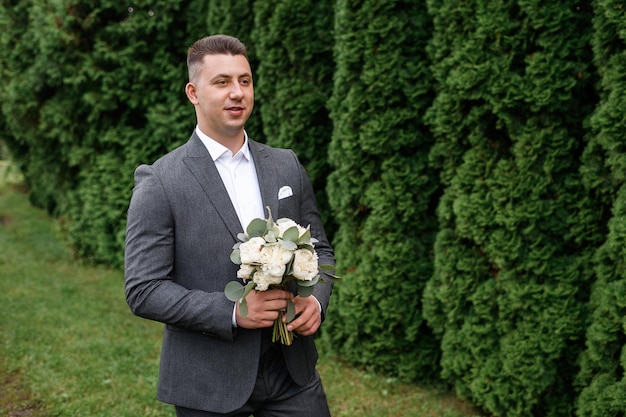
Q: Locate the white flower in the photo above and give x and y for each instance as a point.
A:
(245, 271)
(305, 265)
(263, 280)
(250, 251)
(275, 254)
(285, 223)
(274, 269)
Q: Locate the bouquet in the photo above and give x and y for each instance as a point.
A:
(272, 255)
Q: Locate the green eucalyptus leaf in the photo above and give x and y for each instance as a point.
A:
(235, 256)
(256, 228)
(270, 221)
(288, 244)
(291, 234)
(305, 238)
(308, 283)
(305, 291)
(271, 235)
(249, 287)
(333, 276)
(243, 237)
(234, 291)
(243, 308)
(306, 246)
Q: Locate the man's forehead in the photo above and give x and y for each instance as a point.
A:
(226, 63)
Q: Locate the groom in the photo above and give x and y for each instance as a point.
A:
(184, 216)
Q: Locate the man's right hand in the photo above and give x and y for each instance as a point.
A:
(263, 308)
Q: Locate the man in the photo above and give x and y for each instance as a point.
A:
(183, 220)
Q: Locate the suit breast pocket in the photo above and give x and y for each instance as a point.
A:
(288, 207)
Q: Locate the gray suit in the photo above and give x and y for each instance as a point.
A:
(180, 232)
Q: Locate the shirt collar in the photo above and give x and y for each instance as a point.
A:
(217, 150)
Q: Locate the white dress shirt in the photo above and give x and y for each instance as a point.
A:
(239, 177)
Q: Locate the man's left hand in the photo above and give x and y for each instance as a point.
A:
(308, 316)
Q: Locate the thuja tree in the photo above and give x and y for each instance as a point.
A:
(603, 367)
(37, 119)
(382, 188)
(517, 229)
(294, 82)
(91, 90)
(236, 18)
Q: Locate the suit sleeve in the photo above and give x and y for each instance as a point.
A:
(148, 267)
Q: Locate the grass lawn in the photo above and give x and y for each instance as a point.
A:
(69, 346)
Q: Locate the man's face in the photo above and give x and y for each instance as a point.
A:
(223, 95)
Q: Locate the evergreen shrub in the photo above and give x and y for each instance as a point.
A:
(294, 82)
(516, 229)
(382, 189)
(91, 90)
(603, 364)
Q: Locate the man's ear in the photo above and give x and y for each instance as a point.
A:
(190, 90)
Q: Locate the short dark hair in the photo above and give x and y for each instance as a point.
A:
(212, 45)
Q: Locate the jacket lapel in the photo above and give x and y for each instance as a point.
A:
(266, 173)
(203, 168)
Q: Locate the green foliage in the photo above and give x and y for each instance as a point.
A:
(382, 188)
(91, 90)
(295, 83)
(512, 255)
(604, 362)
(34, 64)
(458, 155)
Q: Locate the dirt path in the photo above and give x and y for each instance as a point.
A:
(15, 401)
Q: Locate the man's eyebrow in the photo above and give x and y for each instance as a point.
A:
(246, 74)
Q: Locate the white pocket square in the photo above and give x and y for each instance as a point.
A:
(284, 192)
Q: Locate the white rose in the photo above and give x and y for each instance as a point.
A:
(274, 269)
(250, 251)
(305, 265)
(284, 224)
(263, 280)
(245, 271)
(275, 254)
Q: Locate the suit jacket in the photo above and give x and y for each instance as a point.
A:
(180, 232)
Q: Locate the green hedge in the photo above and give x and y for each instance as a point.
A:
(381, 189)
(603, 363)
(469, 160)
(295, 83)
(93, 89)
(517, 230)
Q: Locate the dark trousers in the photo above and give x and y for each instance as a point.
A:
(275, 394)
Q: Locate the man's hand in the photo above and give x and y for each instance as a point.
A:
(308, 316)
(263, 308)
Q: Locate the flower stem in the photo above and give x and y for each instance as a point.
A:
(280, 332)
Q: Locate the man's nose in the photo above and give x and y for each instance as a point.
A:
(236, 91)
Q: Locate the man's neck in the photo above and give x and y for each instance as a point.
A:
(233, 143)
